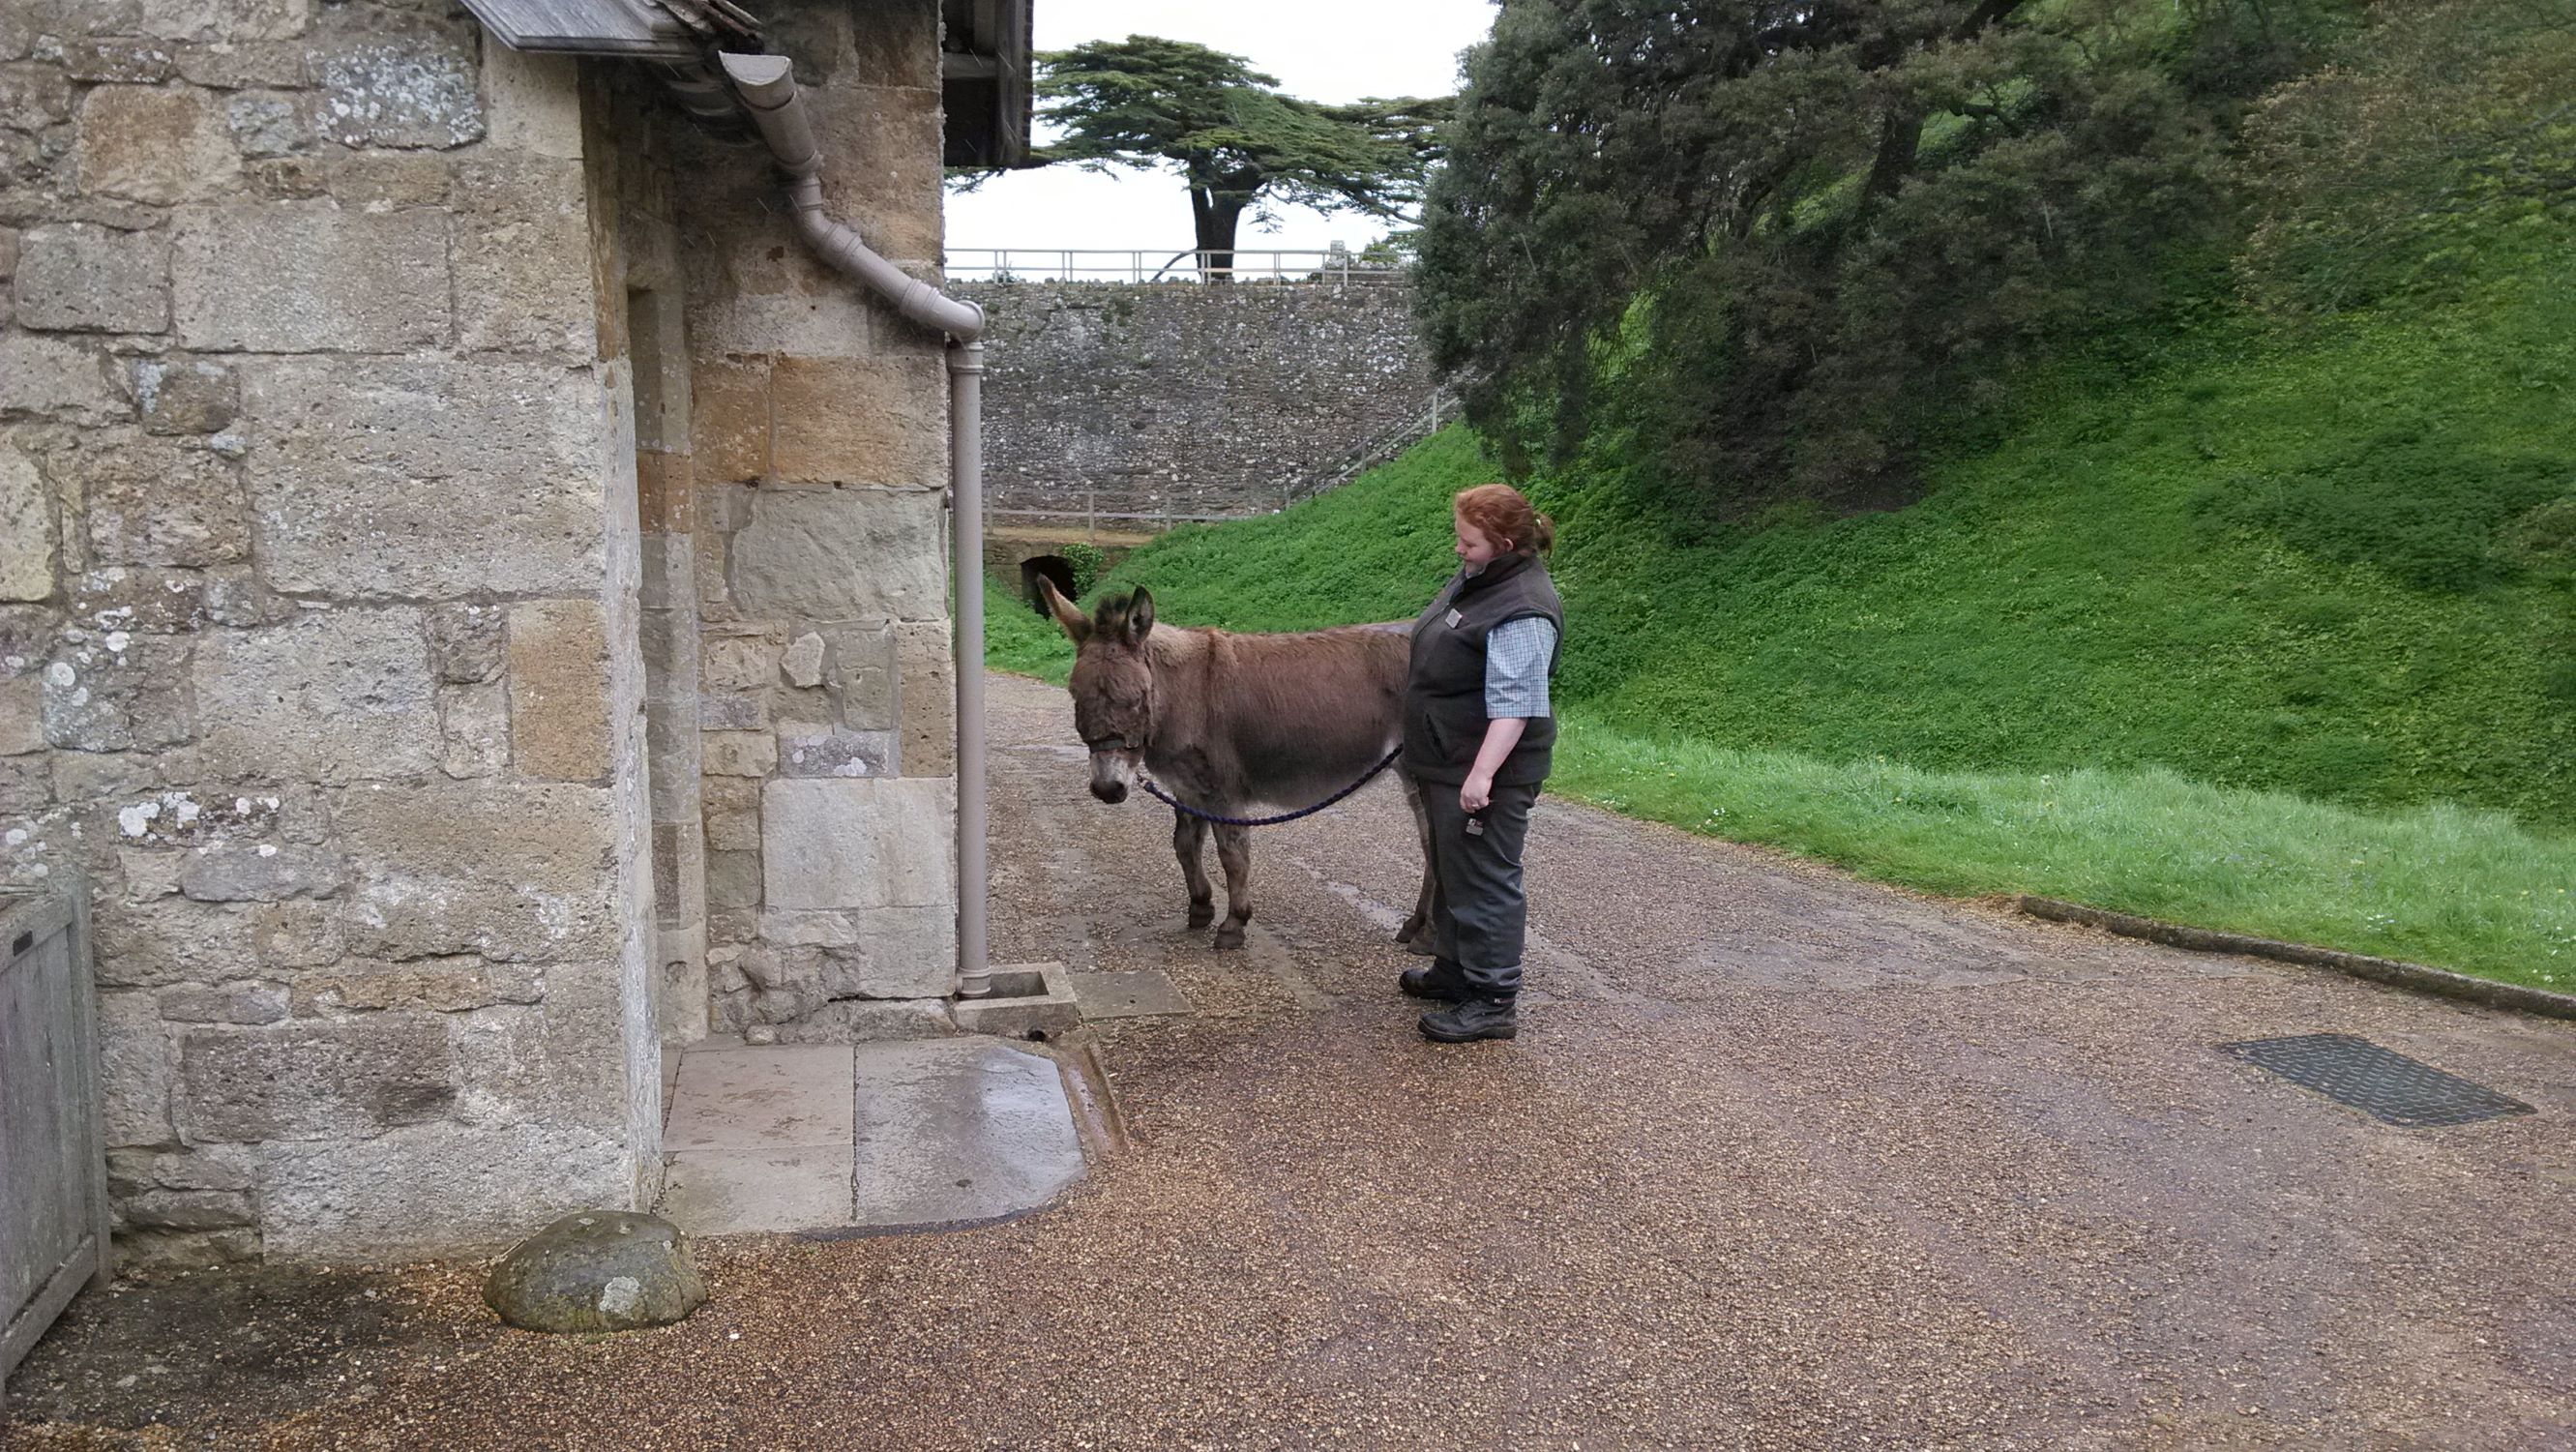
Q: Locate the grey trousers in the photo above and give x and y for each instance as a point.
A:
(1479, 913)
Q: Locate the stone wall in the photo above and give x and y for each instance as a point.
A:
(318, 574)
(825, 703)
(1183, 399)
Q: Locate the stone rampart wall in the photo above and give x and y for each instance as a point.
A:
(1185, 399)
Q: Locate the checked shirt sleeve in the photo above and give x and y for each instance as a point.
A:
(1516, 657)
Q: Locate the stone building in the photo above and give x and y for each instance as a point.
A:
(474, 601)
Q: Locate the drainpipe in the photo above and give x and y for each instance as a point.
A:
(767, 87)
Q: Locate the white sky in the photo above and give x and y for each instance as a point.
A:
(1321, 50)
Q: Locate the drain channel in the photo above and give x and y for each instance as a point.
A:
(2382, 1083)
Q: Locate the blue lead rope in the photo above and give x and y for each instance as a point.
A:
(1156, 791)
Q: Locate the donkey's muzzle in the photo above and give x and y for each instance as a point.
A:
(1112, 792)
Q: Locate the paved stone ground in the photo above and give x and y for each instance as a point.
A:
(1781, 1161)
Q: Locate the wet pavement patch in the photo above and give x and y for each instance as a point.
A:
(1127, 995)
(2382, 1083)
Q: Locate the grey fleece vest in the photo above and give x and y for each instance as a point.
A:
(1444, 693)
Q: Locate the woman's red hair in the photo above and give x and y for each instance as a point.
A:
(1504, 513)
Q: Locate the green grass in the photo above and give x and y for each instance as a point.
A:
(2279, 639)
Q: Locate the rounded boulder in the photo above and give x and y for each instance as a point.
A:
(597, 1270)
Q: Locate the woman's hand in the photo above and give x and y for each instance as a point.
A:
(1502, 733)
(1476, 794)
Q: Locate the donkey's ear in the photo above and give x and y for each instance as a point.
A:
(1073, 621)
(1140, 616)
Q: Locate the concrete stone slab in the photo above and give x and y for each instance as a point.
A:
(1127, 995)
(763, 1100)
(959, 1130)
(748, 1192)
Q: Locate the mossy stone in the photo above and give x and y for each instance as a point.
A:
(597, 1270)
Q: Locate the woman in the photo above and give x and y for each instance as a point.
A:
(1477, 739)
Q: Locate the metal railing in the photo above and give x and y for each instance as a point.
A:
(1335, 265)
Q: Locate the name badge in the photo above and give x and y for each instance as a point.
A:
(1453, 618)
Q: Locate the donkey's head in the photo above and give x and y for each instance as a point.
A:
(1113, 684)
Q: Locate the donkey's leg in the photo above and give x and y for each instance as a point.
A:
(1189, 835)
(1415, 935)
(1234, 853)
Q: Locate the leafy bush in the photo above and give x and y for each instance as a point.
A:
(1086, 561)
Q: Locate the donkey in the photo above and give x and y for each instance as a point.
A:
(1231, 722)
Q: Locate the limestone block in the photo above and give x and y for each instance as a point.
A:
(25, 789)
(869, 1021)
(261, 872)
(415, 89)
(753, 289)
(58, 378)
(188, 1210)
(860, 673)
(323, 278)
(159, 601)
(733, 879)
(159, 144)
(811, 750)
(426, 478)
(153, 501)
(671, 754)
(747, 712)
(738, 753)
(436, 1188)
(837, 844)
(559, 690)
(929, 691)
(93, 279)
(233, 65)
(181, 816)
(729, 420)
(269, 123)
(860, 421)
(729, 661)
(379, 181)
(298, 934)
(514, 871)
(135, 1064)
(891, 141)
(343, 695)
(426, 985)
(118, 693)
(895, 953)
(26, 527)
(150, 874)
(522, 249)
(288, 179)
(784, 928)
(474, 724)
(308, 1079)
(22, 715)
(171, 940)
(186, 395)
(560, 1060)
(222, 20)
(82, 777)
(804, 660)
(248, 1001)
(531, 102)
(466, 640)
(731, 812)
(835, 554)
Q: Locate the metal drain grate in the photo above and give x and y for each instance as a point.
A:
(2382, 1083)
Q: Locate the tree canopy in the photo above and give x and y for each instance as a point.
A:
(1238, 142)
(1814, 233)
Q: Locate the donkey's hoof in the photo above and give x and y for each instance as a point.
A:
(1202, 914)
(1229, 936)
(1419, 945)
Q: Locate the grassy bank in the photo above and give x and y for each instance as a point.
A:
(2279, 639)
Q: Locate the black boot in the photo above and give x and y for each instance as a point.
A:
(1472, 1019)
(1443, 982)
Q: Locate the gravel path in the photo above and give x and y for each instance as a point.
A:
(1781, 1160)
